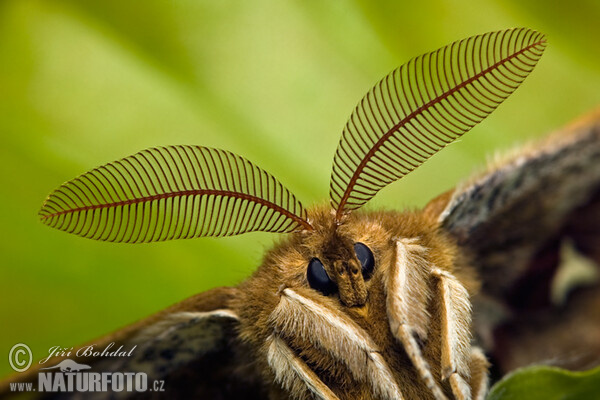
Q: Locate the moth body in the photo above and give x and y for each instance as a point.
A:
(337, 334)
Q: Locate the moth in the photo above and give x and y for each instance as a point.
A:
(354, 304)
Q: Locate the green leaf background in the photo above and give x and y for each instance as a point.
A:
(87, 82)
(547, 383)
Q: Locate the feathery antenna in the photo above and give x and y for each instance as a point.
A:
(424, 105)
(173, 192)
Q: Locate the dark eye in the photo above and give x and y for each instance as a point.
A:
(318, 278)
(365, 256)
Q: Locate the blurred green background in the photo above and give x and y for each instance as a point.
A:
(87, 82)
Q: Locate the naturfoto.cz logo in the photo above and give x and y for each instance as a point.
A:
(71, 376)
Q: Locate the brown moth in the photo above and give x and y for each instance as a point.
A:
(357, 304)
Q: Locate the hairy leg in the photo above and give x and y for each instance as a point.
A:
(455, 337)
(407, 297)
(300, 314)
(479, 374)
(292, 373)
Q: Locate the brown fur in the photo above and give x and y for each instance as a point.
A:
(285, 267)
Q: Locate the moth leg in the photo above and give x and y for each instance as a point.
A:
(407, 297)
(479, 374)
(292, 373)
(299, 314)
(455, 333)
(406, 337)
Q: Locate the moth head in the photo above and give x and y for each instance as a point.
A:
(346, 264)
(340, 260)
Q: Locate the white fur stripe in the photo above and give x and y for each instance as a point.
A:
(479, 374)
(407, 291)
(414, 353)
(339, 335)
(456, 322)
(460, 388)
(164, 326)
(354, 333)
(407, 298)
(292, 373)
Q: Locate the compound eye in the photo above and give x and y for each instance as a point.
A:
(318, 278)
(365, 256)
